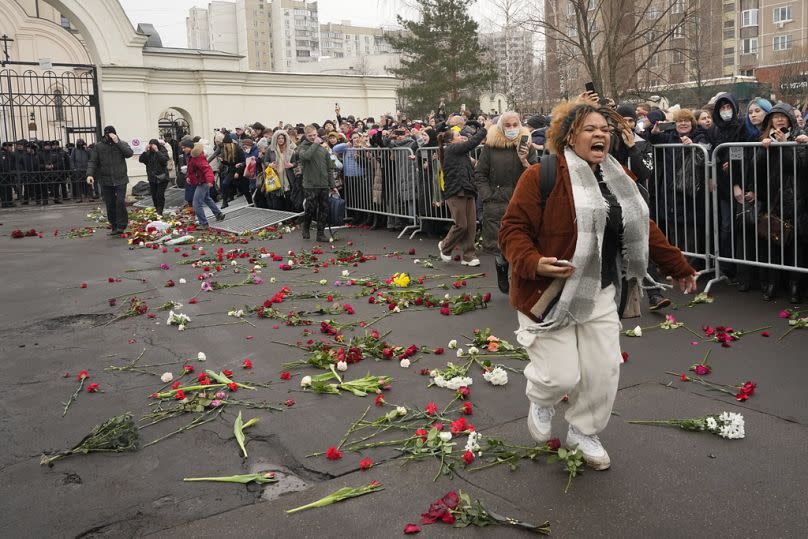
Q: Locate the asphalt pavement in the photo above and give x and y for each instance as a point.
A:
(663, 482)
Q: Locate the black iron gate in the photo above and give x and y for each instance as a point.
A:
(43, 113)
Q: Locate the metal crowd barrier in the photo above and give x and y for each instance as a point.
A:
(384, 181)
(766, 229)
(680, 198)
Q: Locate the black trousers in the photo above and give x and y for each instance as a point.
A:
(115, 198)
(158, 195)
(316, 208)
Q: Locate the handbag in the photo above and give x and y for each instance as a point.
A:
(771, 227)
(336, 211)
(271, 180)
(161, 177)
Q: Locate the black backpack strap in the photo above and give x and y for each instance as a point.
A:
(547, 177)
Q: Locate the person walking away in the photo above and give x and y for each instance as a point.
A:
(107, 166)
(79, 159)
(567, 254)
(317, 182)
(459, 192)
(200, 175)
(156, 160)
(502, 161)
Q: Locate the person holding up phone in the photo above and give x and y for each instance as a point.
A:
(505, 156)
(107, 166)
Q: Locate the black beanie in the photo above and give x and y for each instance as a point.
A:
(627, 110)
(187, 143)
(109, 129)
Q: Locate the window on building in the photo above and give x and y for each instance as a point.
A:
(678, 57)
(782, 14)
(679, 32)
(749, 17)
(749, 45)
(729, 8)
(729, 34)
(781, 43)
(729, 50)
(58, 105)
(678, 6)
(729, 61)
(653, 61)
(748, 73)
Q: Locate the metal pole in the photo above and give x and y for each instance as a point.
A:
(97, 99)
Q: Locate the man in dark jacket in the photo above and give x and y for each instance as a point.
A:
(79, 159)
(156, 160)
(50, 165)
(7, 175)
(107, 165)
(317, 181)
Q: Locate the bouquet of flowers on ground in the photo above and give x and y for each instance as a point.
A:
(729, 425)
(459, 509)
(359, 387)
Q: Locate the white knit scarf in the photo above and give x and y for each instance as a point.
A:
(581, 289)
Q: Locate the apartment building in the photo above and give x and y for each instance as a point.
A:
(512, 51)
(343, 40)
(295, 33)
(254, 31)
(196, 26)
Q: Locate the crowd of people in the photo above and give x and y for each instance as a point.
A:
(472, 168)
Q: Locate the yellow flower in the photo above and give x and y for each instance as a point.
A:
(401, 280)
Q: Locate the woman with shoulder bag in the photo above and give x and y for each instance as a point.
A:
(786, 169)
(156, 160)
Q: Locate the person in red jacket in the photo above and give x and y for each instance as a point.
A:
(568, 255)
(200, 175)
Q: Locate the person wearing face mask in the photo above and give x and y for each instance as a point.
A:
(508, 151)
(727, 127)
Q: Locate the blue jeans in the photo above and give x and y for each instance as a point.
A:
(202, 198)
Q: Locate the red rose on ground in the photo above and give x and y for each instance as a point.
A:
(289, 402)
(193, 301)
(175, 385)
(365, 464)
(459, 426)
(748, 388)
(553, 444)
(422, 433)
(179, 395)
(463, 392)
(332, 453)
(468, 457)
(445, 311)
(411, 528)
(232, 386)
(438, 351)
(188, 369)
(83, 375)
(467, 408)
(431, 409)
(625, 356)
(227, 373)
(487, 297)
(286, 375)
(92, 388)
(84, 284)
(764, 334)
(741, 397)
(683, 377)
(246, 364)
(702, 369)
(205, 381)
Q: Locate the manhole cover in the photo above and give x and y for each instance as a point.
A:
(251, 219)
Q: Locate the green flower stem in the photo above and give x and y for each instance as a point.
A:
(352, 428)
(195, 423)
(74, 396)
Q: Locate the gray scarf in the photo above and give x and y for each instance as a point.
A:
(581, 289)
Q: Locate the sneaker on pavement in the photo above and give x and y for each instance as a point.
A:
(657, 302)
(220, 217)
(540, 422)
(202, 227)
(474, 262)
(445, 258)
(593, 452)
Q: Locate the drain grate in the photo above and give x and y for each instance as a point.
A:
(251, 219)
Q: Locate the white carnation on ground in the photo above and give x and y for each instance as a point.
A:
(183, 281)
(496, 377)
(445, 436)
(166, 377)
(473, 443)
(305, 381)
(405, 363)
(453, 344)
(459, 381)
(342, 366)
(474, 351)
(201, 356)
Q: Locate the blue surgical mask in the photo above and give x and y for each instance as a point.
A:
(512, 133)
(726, 115)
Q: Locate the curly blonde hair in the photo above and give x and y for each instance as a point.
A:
(567, 119)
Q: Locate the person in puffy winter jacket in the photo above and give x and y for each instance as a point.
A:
(200, 175)
(501, 163)
(459, 192)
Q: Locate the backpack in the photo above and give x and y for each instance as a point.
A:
(547, 177)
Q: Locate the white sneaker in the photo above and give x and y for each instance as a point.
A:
(594, 454)
(474, 262)
(445, 258)
(540, 422)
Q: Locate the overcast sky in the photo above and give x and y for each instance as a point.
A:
(168, 16)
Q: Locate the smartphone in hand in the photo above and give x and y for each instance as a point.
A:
(523, 142)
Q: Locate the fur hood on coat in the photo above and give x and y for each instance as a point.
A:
(199, 149)
(496, 138)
